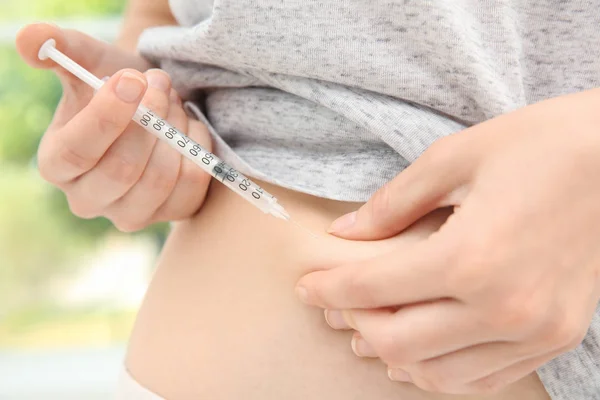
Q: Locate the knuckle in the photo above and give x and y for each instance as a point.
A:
(122, 171)
(188, 175)
(518, 312)
(466, 277)
(72, 157)
(45, 165)
(168, 212)
(81, 208)
(358, 284)
(193, 176)
(471, 263)
(110, 122)
(434, 384)
(128, 226)
(379, 205)
(389, 347)
(427, 377)
(159, 179)
(46, 174)
(476, 249)
(320, 294)
(53, 151)
(385, 346)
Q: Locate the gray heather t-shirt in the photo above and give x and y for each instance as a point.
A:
(335, 97)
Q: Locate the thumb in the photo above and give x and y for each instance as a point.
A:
(436, 179)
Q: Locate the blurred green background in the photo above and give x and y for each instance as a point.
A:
(65, 283)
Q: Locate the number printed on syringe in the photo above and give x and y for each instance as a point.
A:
(177, 138)
(214, 166)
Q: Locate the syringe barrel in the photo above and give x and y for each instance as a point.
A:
(209, 162)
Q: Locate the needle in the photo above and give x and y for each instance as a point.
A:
(304, 229)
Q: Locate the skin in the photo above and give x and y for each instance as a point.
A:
(220, 319)
(127, 175)
(510, 281)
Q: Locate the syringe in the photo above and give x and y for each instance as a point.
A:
(177, 140)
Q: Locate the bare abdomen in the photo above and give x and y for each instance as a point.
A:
(221, 321)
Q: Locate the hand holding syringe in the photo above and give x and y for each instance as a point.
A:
(177, 140)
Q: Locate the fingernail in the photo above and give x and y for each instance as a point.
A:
(342, 223)
(361, 348)
(335, 319)
(302, 294)
(158, 80)
(398, 375)
(130, 87)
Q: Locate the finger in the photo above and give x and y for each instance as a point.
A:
(401, 277)
(336, 319)
(437, 179)
(69, 152)
(421, 331)
(452, 372)
(136, 209)
(122, 165)
(192, 183)
(361, 347)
